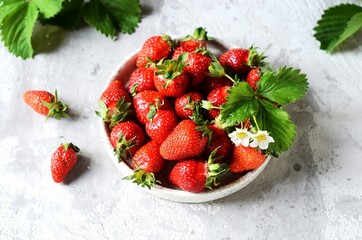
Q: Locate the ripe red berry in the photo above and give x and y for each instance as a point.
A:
(63, 160)
(161, 125)
(141, 79)
(45, 103)
(185, 105)
(246, 158)
(155, 48)
(126, 138)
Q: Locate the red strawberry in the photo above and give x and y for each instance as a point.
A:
(63, 160)
(189, 175)
(211, 83)
(194, 175)
(253, 77)
(161, 125)
(246, 158)
(186, 104)
(219, 140)
(141, 79)
(191, 43)
(215, 99)
(197, 66)
(155, 48)
(142, 101)
(171, 80)
(148, 158)
(45, 103)
(241, 60)
(114, 103)
(147, 161)
(113, 93)
(185, 141)
(126, 138)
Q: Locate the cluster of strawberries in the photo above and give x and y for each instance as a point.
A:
(163, 122)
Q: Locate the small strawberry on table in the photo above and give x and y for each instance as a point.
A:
(45, 103)
(63, 160)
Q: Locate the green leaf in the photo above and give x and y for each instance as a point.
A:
(337, 24)
(284, 87)
(96, 15)
(69, 17)
(48, 7)
(17, 26)
(126, 13)
(276, 121)
(240, 105)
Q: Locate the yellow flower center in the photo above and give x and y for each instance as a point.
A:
(241, 135)
(261, 137)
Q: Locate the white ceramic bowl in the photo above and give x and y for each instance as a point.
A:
(123, 71)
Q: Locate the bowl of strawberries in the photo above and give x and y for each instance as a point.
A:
(194, 118)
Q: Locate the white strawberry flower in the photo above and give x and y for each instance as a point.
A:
(240, 136)
(261, 139)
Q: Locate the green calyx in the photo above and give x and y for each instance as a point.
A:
(168, 40)
(143, 178)
(206, 132)
(154, 108)
(67, 146)
(199, 34)
(171, 68)
(57, 109)
(122, 151)
(217, 70)
(255, 59)
(215, 170)
(114, 116)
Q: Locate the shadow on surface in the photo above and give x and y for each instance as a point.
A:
(47, 38)
(351, 43)
(79, 169)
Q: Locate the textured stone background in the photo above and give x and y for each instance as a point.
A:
(313, 191)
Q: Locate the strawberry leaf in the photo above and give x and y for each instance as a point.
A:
(276, 121)
(126, 14)
(68, 17)
(48, 7)
(96, 15)
(240, 105)
(284, 87)
(17, 25)
(337, 24)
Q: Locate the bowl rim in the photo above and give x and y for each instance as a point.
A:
(169, 193)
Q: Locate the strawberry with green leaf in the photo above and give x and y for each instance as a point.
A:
(215, 99)
(241, 60)
(154, 48)
(262, 105)
(187, 103)
(143, 101)
(191, 43)
(194, 175)
(147, 161)
(45, 103)
(171, 80)
(126, 138)
(114, 103)
(197, 66)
